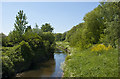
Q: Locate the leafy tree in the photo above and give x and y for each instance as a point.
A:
(94, 25)
(28, 28)
(58, 36)
(71, 32)
(36, 26)
(63, 36)
(47, 28)
(37, 30)
(101, 26)
(20, 22)
(49, 37)
(3, 39)
(111, 11)
(14, 37)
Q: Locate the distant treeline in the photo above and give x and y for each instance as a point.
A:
(25, 46)
(60, 36)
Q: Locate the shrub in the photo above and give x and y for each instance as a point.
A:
(26, 51)
(49, 36)
(16, 59)
(100, 47)
(7, 67)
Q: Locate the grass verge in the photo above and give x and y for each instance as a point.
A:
(91, 64)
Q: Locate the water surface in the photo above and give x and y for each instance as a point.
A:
(50, 68)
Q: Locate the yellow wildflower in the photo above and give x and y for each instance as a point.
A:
(100, 47)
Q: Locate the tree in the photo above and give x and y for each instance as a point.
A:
(14, 37)
(63, 36)
(94, 25)
(111, 11)
(37, 30)
(20, 22)
(36, 26)
(47, 28)
(28, 28)
(49, 37)
(71, 32)
(3, 40)
(58, 36)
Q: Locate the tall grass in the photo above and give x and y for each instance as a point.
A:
(91, 64)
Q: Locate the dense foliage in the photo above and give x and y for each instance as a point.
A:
(25, 46)
(60, 36)
(101, 26)
(47, 28)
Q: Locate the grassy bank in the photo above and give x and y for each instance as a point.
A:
(89, 63)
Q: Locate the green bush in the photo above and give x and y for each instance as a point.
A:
(16, 59)
(26, 51)
(7, 67)
(49, 36)
(9, 59)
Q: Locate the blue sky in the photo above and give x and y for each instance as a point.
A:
(61, 15)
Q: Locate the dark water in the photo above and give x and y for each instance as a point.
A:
(51, 68)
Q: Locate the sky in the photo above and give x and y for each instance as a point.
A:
(61, 15)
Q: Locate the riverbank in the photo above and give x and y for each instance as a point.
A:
(86, 63)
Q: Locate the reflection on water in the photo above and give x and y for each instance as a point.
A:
(59, 59)
(51, 68)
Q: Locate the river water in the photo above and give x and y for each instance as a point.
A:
(50, 68)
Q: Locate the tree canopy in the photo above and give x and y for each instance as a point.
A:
(47, 28)
(20, 22)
